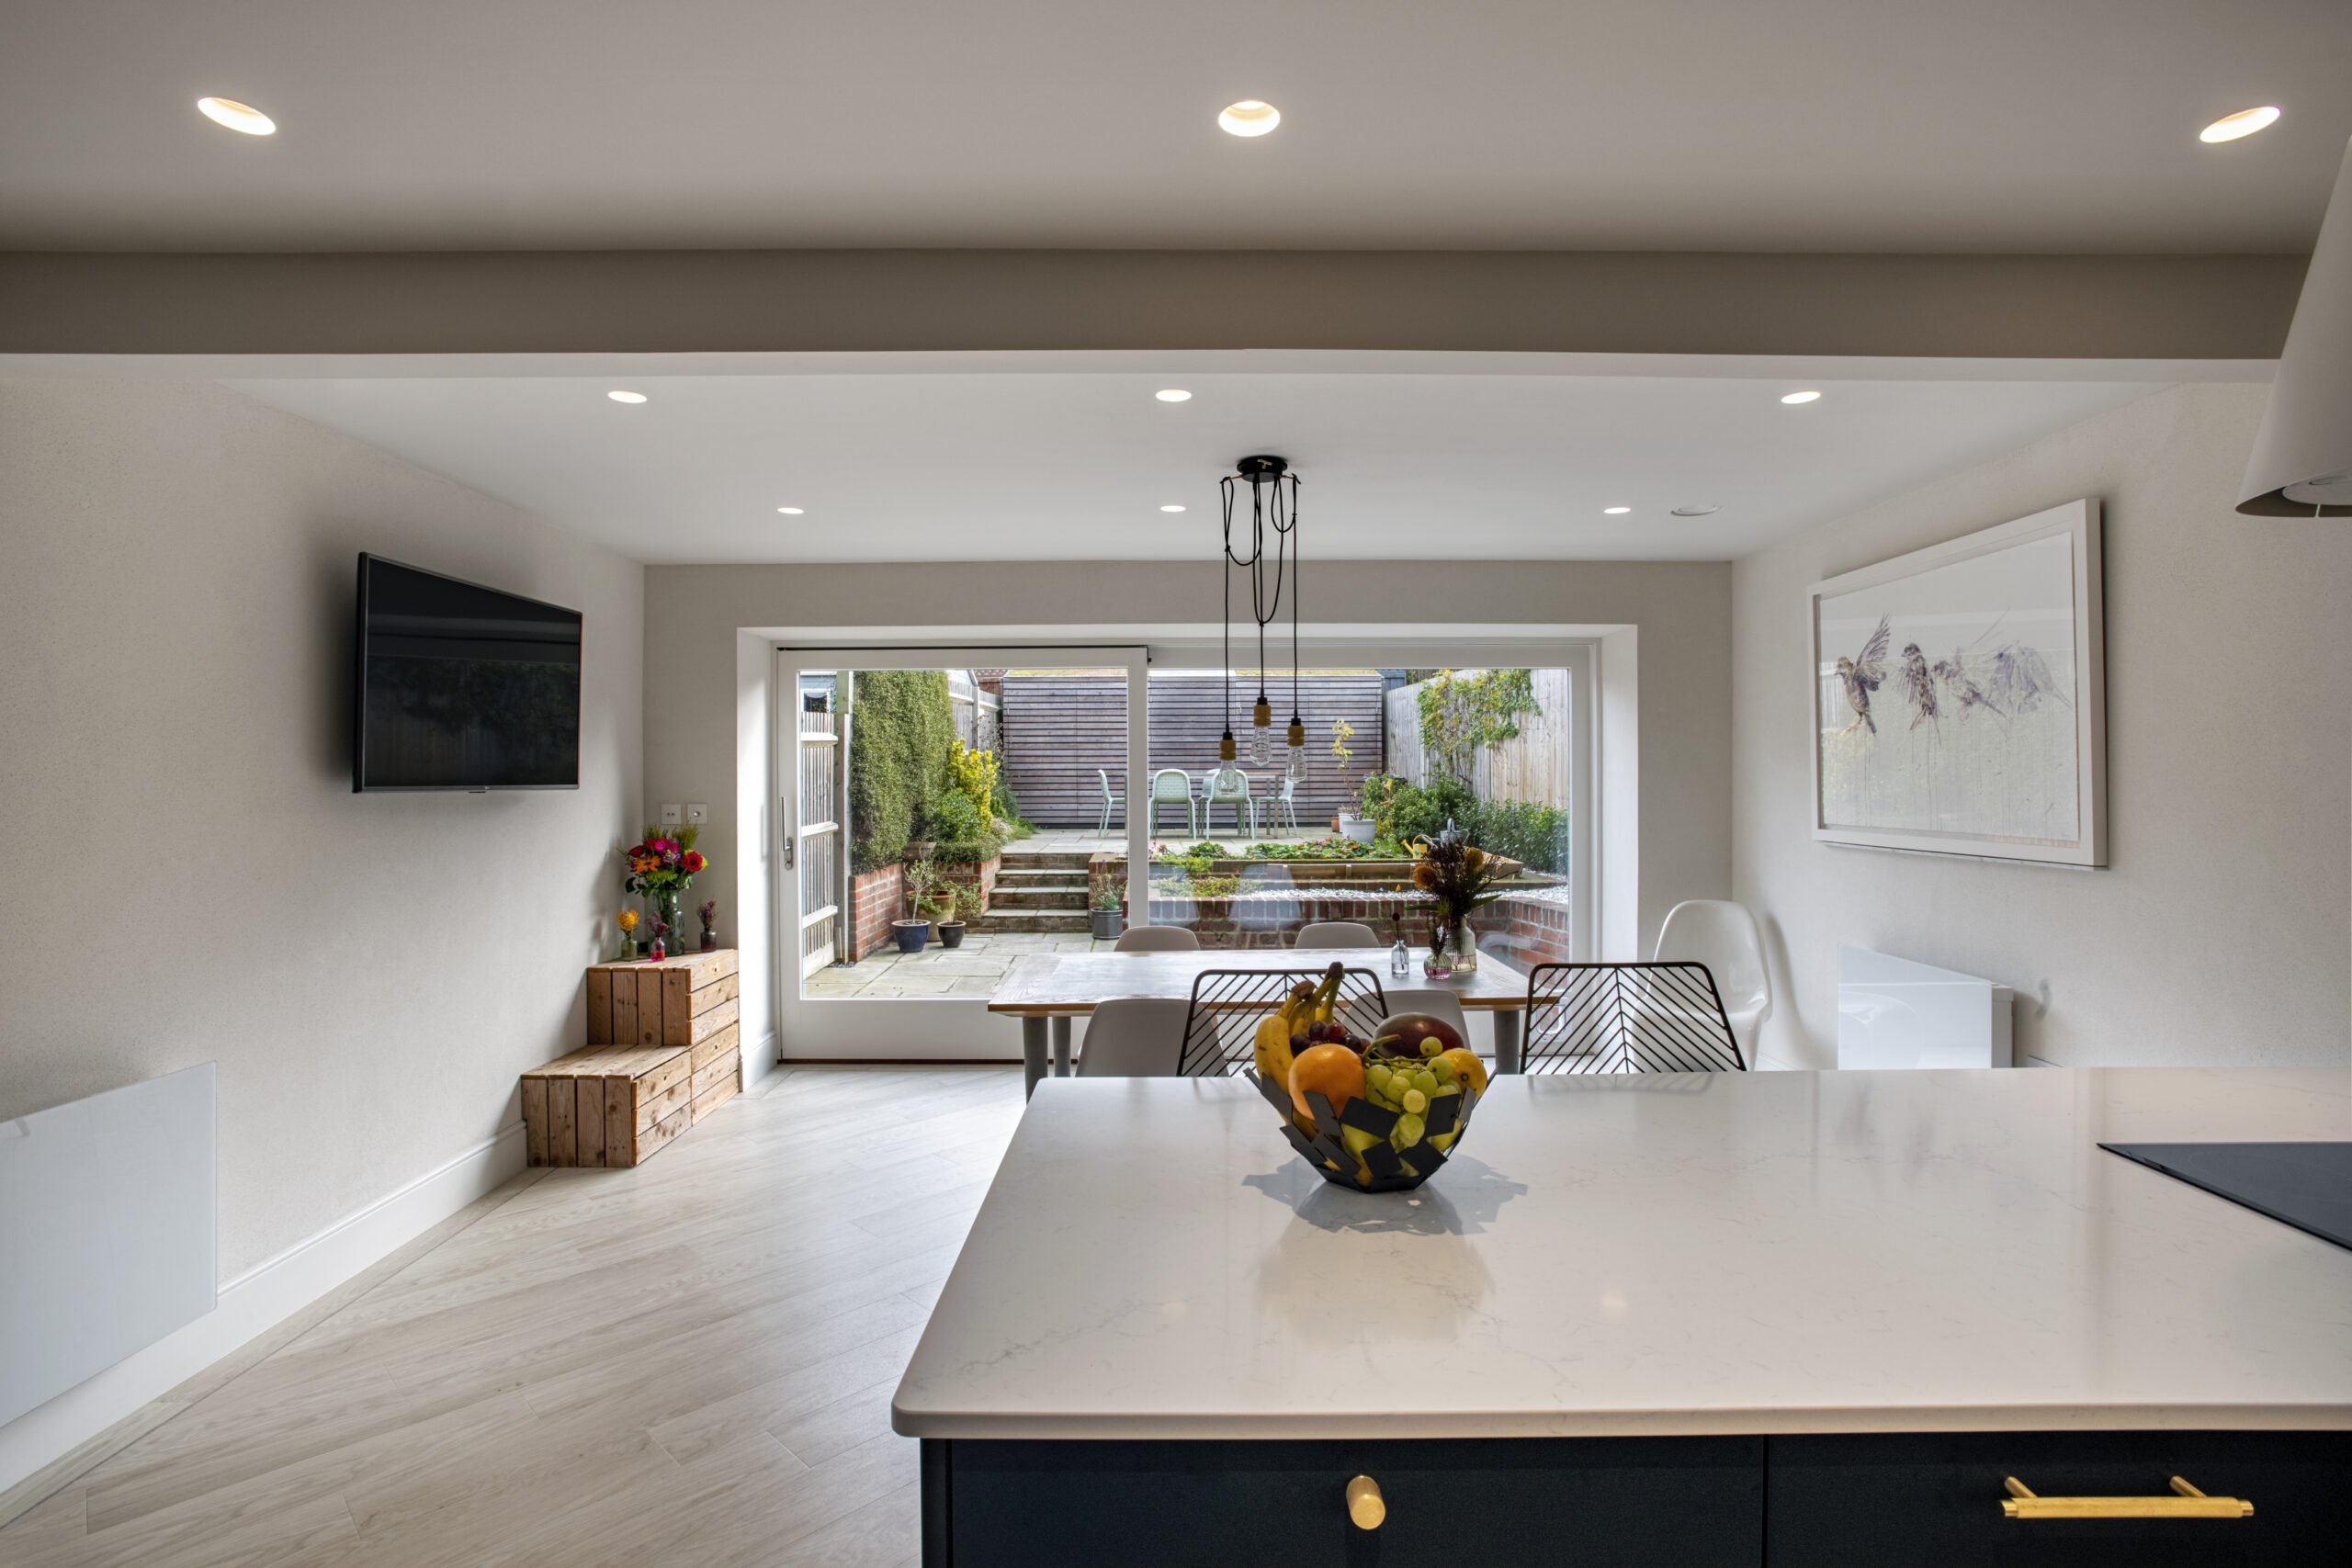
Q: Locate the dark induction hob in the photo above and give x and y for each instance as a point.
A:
(2308, 1186)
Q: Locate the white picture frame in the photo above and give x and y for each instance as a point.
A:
(1980, 729)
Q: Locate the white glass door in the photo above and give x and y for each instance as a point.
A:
(896, 768)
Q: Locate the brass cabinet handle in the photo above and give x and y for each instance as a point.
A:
(1365, 1505)
(2187, 1503)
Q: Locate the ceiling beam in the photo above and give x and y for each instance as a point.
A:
(2085, 306)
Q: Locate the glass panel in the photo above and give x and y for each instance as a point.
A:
(985, 807)
(1247, 856)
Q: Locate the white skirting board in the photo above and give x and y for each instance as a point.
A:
(256, 1302)
(760, 1060)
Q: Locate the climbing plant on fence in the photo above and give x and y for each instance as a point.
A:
(902, 734)
(1462, 713)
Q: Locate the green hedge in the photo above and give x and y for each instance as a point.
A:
(902, 730)
(1536, 835)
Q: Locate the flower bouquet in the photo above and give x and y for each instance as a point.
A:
(660, 869)
(1456, 876)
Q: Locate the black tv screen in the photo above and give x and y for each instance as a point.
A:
(458, 686)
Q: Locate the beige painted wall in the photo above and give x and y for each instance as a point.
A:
(2219, 932)
(191, 877)
(694, 671)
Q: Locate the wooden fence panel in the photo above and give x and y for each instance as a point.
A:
(1057, 729)
(1532, 767)
(1060, 729)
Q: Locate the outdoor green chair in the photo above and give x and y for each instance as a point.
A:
(1283, 808)
(1110, 804)
(1173, 787)
(1229, 786)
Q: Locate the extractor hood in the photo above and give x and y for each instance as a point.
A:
(2302, 454)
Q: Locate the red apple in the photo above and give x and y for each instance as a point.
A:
(1405, 1032)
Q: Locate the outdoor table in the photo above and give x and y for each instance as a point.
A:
(1048, 989)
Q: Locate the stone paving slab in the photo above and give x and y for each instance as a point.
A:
(974, 969)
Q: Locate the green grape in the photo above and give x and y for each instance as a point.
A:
(1443, 1069)
(1445, 1088)
(1426, 1081)
(1431, 1045)
(1416, 1103)
(1408, 1131)
(1377, 1077)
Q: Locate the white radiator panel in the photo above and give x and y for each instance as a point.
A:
(105, 1232)
(1893, 1013)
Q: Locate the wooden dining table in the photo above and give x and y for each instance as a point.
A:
(1046, 990)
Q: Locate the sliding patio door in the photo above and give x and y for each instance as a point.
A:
(874, 826)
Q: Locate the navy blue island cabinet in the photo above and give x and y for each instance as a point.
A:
(1812, 1501)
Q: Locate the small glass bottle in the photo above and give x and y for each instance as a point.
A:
(1400, 963)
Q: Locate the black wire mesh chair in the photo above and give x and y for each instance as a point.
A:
(1627, 1018)
(1227, 1005)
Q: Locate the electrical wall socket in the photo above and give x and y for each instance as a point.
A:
(670, 816)
(697, 815)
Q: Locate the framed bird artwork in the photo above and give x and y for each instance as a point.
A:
(1959, 701)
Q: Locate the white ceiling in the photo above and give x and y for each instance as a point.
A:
(1419, 457)
(1968, 125)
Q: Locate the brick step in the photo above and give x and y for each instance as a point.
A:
(1029, 898)
(1034, 920)
(1041, 860)
(1040, 881)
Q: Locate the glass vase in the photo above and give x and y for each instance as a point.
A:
(1462, 950)
(666, 910)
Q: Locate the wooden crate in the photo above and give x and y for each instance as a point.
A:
(664, 1052)
(608, 1105)
(679, 1002)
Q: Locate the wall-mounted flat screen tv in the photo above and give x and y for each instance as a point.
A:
(458, 686)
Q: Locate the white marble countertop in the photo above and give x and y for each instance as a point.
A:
(1767, 1252)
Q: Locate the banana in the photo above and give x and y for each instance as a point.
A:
(1272, 1048)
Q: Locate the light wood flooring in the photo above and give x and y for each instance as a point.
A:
(687, 1364)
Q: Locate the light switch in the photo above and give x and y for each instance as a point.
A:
(669, 816)
(697, 815)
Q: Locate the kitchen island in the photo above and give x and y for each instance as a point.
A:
(1777, 1317)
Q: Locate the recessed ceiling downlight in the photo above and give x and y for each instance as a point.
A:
(626, 397)
(1173, 395)
(2246, 122)
(1801, 397)
(790, 511)
(237, 116)
(1695, 510)
(1250, 117)
(1615, 510)
(1171, 509)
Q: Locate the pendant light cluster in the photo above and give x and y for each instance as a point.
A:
(1271, 560)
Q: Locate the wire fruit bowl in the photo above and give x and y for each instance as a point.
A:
(1379, 1167)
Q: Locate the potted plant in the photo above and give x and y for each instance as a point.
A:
(1107, 912)
(943, 904)
(918, 874)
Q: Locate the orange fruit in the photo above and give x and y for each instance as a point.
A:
(1333, 1071)
(1468, 1068)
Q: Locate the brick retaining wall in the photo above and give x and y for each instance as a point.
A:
(877, 898)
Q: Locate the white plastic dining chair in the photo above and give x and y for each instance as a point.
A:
(1722, 935)
(1133, 1037)
(1337, 933)
(1157, 939)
